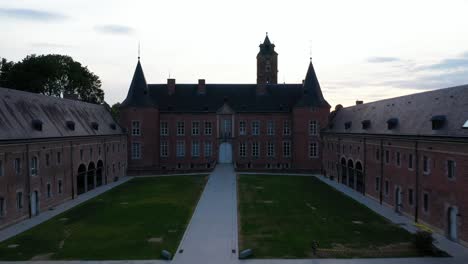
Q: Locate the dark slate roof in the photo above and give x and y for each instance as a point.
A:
(137, 93)
(267, 48)
(312, 92)
(414, 114)
(18, 109)
(240, 97)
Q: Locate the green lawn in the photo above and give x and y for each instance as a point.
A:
(116, 224)
(281, 216)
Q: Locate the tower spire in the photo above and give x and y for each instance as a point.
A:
(138, 50)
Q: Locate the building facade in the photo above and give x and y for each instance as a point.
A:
(52, 150)
(409, 153)
(261, 126)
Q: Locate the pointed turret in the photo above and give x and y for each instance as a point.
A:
(267, 48)
(312, 92)
(267, 63)
(138, 95)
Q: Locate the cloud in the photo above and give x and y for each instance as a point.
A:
(382, 59)
(31, 14)
(114, 29)
(50, 45)
(449, 64)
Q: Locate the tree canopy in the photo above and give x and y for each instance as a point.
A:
(53, 75)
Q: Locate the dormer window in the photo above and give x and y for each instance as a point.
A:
(465, 126)
(347, 125)
(94, 125)
(392, 123)
(366, 124)
(113, 126)
(438, 122)
(37, 124)
(70, 125)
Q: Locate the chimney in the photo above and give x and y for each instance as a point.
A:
(359, 102)
(171, 86)
(201, 86)
(70, 95)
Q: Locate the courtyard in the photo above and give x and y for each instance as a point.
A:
(135, 220)
(284, 216)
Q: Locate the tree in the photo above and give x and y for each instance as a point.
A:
(52, 75)
(115, 111)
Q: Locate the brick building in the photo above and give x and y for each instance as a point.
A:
(52, 150)
(409, 152)
(261, 126)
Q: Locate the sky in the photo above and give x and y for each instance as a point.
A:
(361, 50)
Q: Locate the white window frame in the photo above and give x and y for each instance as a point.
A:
(287, 149)
(195, 148)
(164, 128)
(242, 128)
(242, 149)
(270, 149)
(313, 127)
(255, 149)
(270, 128)
(286, 128)
(180, 128)
(208, 128)
(136, 151)
(136, 128)
(208, 149)
(255, 128)
(34, 166)
(195, 128)
(164, 148)
(313, 150)
(180, 148)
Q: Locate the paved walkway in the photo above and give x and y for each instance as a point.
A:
(211, 235)
(46, 215)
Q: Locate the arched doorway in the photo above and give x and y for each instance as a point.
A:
(359, 178)
(398, 199)
(81, 179)
(344, 179)
(91, 176)
(99, 173)
(35, 203)
(452, 213)
(350, 174)
(225, 153)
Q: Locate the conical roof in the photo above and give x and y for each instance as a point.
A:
(138, 92)
(312, 92)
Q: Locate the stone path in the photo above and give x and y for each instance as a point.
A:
(46, 215)
(211, 235)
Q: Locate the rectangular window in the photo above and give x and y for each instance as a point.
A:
(2, 206)
(270, 128)
(208, 128)
(33, 166)
(377, 154)
(242, 149)
(410, 196)
(255, 128)
(425, 164)
(59, 156)
(313, 152)
(312, 128)
(287, 149)
(195, 128)
(1, 167)
(426, 202)
(377, 184)
(19, 200)
(47, 159)
(386, 187)
(180, 148)
(136, 128)
(49, 191)
(17, 165)
(271, 149)
(195, 148)
(398, 159)
(451, 169)
(242, 128)
(208, 149)
(387, 156)
(136, 150)
(255, 149)
(180, 128)
(60, 186)
(163, 128)
(164, 147)
(286, 128)
(410, 161)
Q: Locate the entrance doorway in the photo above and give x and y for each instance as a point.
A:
(452, 223)
(35, 203)
(225, 153)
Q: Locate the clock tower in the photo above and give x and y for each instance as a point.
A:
(267, 63)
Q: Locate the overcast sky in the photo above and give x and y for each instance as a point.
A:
(366, 50)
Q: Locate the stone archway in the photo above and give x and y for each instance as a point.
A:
(90, 177)
(99, 177)
(351, 174)
(344, 179)
(81, 179)
(359, 178)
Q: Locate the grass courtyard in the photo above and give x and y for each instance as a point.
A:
(282, 216)
(135, 220)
